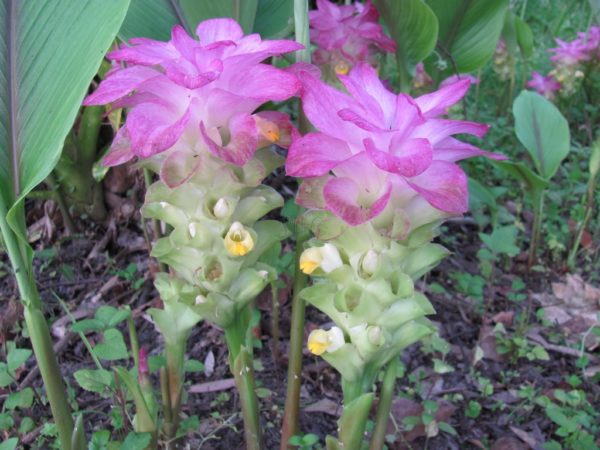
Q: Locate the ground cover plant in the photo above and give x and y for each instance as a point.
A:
(299, 224)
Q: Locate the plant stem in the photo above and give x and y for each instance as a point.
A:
(294, 377)
(275, 334)
(175, 358)
(242, 368)
(385, 405)
(538, 210)
(155, 224)
(133, 340)
(62, 204)
(39, 334)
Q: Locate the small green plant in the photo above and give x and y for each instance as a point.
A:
(305, 442)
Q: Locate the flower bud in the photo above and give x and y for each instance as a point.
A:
(268, 130)
(321, 341)
(341, 67)
(369, 263)
(200, 299)
(374, 335)
(331, 258)
(192, 230)
(238, 240)
(221, 209)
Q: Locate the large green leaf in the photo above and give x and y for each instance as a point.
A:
(469, 30)
(195, 11)
(151, 18)
(543, 131)
(274, 18)
(49, 53)
(413, 26)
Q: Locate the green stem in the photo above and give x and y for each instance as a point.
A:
(175, 358)
(589, 209)
(294, 376)
(62, 204)
(385, 405)
(133, 339)
(39, 333)
(155, 224)
(538, 211)
(241, 364)
(89, 130)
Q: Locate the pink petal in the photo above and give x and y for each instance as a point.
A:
(150, 131)
(321, 104)
(214, 30)
(184, 73)
(315, 154)
(408, 158)
(364, 85)
(438, 102)
(344, 199)
(120, 149)
(452, 150)
(265, 83)
(146, 52)
(242, 144)
(351, 116)
(119, 84)
(444, 186)
(407, 115)
(436, 130)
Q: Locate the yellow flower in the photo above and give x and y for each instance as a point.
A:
(310, 260)
(341, 68)
(321, 341)
(326, 257)
(238, 240)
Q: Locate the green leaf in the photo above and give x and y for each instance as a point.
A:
(274, 18)
(5, 377)
(99, 440)
(244, 11)
(16, 358)
(543, 131)
(27, 424)
(6, 421)
(414, 27)
(502, 240)
(111, 316)
(193, 366)
(49, 53)
(524, 37)
(136, 441)
(440, 366)
(98, 381)
(21, 399)
(447, 428)
(113, 347)
(534, 184)
(150, 18)
(86, 325)
(469, 30)
(9, 444)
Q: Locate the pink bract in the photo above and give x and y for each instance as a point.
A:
(375, 149)
(584, 48)
(544, 85)
(198, 94)
(347, 34)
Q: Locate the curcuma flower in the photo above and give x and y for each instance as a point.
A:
(198, 94)
(380, 154)
(544, 85)
(346, 35)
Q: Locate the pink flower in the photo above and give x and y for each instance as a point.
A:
(544, 85)
(375, 150)
(347, 34)
(197, 94)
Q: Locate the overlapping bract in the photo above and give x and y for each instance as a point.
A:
(380, 154)
(346, 35)
(193, 94)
